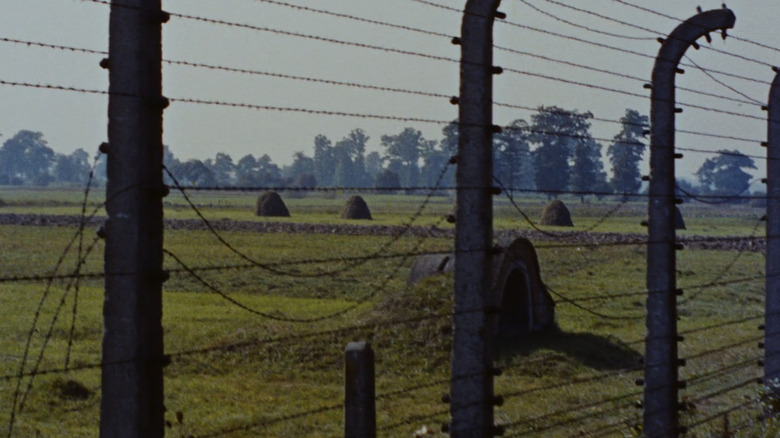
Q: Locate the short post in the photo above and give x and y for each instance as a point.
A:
(359, 405)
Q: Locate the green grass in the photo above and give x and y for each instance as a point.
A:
(255, 376)
(325, 208)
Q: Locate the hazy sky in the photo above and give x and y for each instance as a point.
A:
(71, 120)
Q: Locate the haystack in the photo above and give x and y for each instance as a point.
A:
(556, 214)
(270, 204)
(679, 223)
(356, 208)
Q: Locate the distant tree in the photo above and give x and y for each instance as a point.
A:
(169, 161)
(625, 153)
(73, 168)
(257, 172)
(723, 175)
(387, 179)
(324, 161)
(512, 162)
(557, 133)
(686, 189)
(435, 161)
(301, 165)
(268, 172)
(223, 168)
(450, 141)
(26, 158)
(449, 145)
(349, 153)
(405, 151)
(194, 173)
(374, 163)
(305, 180)
(587, 170)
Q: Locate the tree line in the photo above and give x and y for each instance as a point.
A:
(554, 153)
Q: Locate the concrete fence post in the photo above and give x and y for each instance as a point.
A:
(772, 306)
(359, 404)
(131, 403)
(471, 387)
(661, 384)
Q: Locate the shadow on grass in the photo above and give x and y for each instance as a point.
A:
(594, 351)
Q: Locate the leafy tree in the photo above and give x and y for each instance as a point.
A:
(349, 153)
(257, 172)
(685, 189)
(223, 169)
(387, 179)
(435, 161)
(324, 161)
(723, 174)
(26, 158)
(73, 168)
(587, 172)
(305, 180)
(374, 163)
(449, 145)
(450, 141)
(557, 132)
(301, 165)
(169, 161)
(404, 152)
(625, 153)
(193, 173)
(512, 162)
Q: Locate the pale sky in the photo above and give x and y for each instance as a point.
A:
(72, 120)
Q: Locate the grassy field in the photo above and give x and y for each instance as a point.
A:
(236, 373)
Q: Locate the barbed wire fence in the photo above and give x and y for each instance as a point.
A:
(719, 370)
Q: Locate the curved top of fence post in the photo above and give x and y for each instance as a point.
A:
(481, 8)
(689, 31)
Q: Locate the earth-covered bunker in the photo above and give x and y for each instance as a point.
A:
(517, 288)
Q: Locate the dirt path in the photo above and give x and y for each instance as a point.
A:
(753, 244)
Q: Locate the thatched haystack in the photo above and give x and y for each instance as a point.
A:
(556, 214)
(270, 204)
(356, 208)
(679, 222)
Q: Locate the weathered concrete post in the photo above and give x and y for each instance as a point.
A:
(772, 310)
(471, 386)
(359, 404)
(661, 419)
(131, 405)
